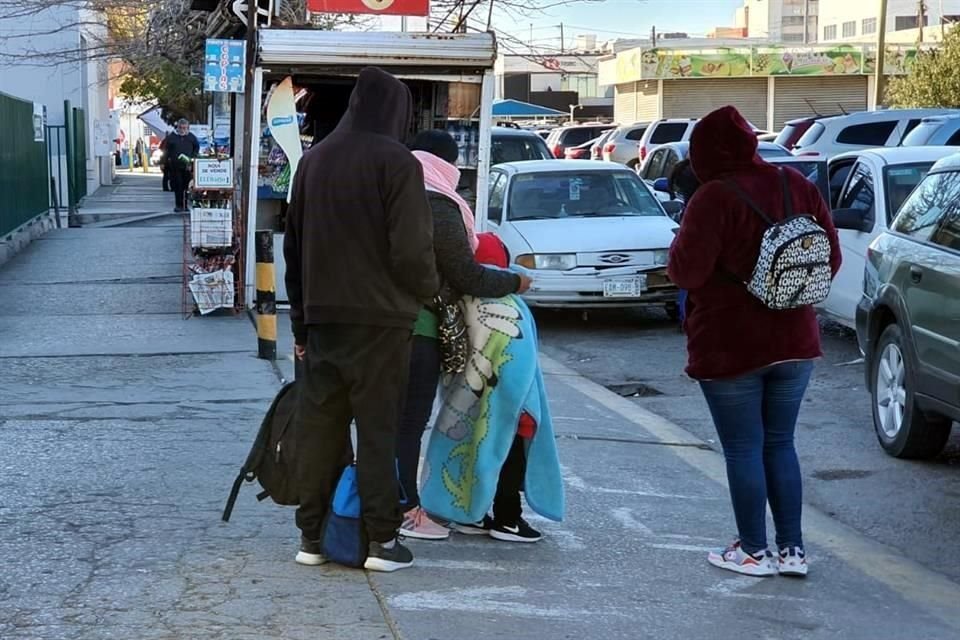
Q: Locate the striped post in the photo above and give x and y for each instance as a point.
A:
(266, 304)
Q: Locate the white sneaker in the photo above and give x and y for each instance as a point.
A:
(417, 524)
(792, 562)
(735, 559)
(310, 554)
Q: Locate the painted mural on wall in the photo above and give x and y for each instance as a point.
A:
(746, 62)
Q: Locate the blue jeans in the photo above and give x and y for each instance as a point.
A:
(756, 416)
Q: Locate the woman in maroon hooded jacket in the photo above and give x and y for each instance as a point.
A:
(753, 363)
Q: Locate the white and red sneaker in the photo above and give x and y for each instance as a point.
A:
(792, 562)
(417, 524)
(735, 559)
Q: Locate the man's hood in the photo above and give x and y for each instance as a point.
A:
(722, 143)
(379, 104)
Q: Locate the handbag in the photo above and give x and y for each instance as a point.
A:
(452, 333)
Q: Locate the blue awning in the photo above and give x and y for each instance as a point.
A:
(517, 109)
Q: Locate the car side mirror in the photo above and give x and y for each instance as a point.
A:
(494, 214)
(673, 208)
(661, 185)
(853, 220)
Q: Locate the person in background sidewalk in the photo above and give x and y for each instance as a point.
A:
(360, 266)
(753, 363)
(454, 243)
(182, 147)
(164, 167)
(682, 184)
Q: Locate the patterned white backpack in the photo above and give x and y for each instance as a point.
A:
(793, 268)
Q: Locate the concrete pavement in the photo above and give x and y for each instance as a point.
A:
(124, 425)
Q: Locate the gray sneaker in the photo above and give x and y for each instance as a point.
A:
(380, 558)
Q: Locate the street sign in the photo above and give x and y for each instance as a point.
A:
(381, 7)
(225, 66)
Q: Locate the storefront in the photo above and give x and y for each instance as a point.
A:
(449, 75)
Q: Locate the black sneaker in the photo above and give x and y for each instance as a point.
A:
(518, 531)
(380, 558)
(481, 528)
(310, 554)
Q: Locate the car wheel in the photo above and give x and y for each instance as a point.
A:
(903, 430)
(673, 311)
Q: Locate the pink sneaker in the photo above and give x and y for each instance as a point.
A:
(417, 524)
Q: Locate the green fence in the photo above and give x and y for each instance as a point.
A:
(24, 183)
(76, 132)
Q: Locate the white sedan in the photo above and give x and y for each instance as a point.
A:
(592, 233)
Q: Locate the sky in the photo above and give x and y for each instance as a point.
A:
(609, 19)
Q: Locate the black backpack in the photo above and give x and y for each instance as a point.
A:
(272, 459)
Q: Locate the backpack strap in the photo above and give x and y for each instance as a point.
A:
(787, 199)
(749, 201)
(234, 492)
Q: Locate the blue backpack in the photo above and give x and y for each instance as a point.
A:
(344, 538)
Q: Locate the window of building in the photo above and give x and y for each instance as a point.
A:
(793, 21)
(792, 37)
(869, 26)
(902, 23)
(954, 19)
(583, 83)
(830, 33)
(850, 29)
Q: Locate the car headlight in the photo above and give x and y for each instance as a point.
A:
(548, 261)
(660, 257)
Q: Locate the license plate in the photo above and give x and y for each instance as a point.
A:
(625, 287)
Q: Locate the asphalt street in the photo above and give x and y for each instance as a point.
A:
(124, 425)
(909, 505)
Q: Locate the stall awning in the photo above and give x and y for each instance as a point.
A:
(387, 49)
(517, 109)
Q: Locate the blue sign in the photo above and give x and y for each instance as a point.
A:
(225, 66)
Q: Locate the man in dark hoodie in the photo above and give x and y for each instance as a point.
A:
(182, 147)
(360, 265)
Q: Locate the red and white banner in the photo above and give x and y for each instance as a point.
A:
(381, 7)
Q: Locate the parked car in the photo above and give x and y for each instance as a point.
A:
(515, 145)
(581, 151)
(596, 150)
(544, 133)
(877, 184)
(573, 136)
(664, 132)
(660, 163)
(591, 232)
(816, 171)
(621, 144)
(828, 137)
(908, 319)
(793, 130)
(935, 130)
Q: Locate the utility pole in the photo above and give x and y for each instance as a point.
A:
(563, 40)
(806, 21)
(250, 119)
(653, 37)
(878, 84)
(921, 19)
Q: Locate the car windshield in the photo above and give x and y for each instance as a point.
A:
(769, 151)
(591, 194)
(518, 148)
(900, 181)
(787, 135)
(811, 136)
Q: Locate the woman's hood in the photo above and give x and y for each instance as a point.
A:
(722, 143)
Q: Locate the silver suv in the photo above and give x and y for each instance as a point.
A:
(621, 145)
(663, 132)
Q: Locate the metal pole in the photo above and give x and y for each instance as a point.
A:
(878, 84)
(251, 120)
(563, 40)
(806, 21)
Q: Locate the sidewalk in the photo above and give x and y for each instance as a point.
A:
(124, 426)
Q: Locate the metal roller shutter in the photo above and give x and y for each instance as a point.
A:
(695, 98)
(648, 102)
(625, 103)
(793, 97)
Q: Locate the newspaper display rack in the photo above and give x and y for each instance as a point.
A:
(212, 234)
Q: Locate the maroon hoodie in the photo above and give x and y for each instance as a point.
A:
(729, 331)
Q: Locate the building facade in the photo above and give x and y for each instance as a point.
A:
(555, 82)
(45, 59)
(847, 20)
(785, 21)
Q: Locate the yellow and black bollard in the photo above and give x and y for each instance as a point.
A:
(266, 303)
